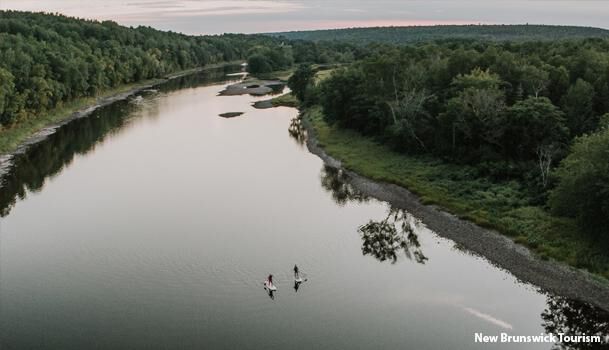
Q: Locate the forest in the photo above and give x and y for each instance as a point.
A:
(532, 117)
(47, 60)
(266, 59)
(417, 34)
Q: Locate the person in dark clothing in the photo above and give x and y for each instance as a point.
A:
(296, 272)
(270, 280)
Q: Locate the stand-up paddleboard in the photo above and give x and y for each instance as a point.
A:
(298, 280)
(269, 286)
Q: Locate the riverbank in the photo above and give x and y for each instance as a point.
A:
(385, 175)
(285, 100)
(19, 137)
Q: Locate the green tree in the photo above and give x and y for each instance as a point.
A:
(7, 87)
(534, 80)
(477, 79)
(578, 104)
(259, 64)
(301, 80)
(558, 83)
(531, 124)
(583, 185)
(344, 101)
(603, 123)
(473, 114)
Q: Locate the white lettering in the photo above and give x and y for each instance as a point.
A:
(481, 338)
(541, 338)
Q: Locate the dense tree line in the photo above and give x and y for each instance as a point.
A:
(416, 34)
(513, 110)
(328, 52)
(583, 187)
(264, 59)
(47, 60)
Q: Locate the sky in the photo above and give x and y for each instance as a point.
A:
(255, 16)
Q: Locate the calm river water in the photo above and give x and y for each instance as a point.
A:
(153, 223)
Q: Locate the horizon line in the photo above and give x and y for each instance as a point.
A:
(322, 27)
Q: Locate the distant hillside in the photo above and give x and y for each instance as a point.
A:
(403, 35)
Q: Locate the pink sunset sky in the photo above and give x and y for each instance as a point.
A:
(249, 16)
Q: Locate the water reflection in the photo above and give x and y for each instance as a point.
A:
(30, 170)
(45, 159)
(571, 317)
(386, 238)
(149, 267)
(297, 131)
(271, 293)
(336, 181)
(207, 77)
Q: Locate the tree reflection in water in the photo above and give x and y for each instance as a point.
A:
(297, 131)
(43, 160)
(385, 239)
(571, 317)
(336, 181)
(31, 169)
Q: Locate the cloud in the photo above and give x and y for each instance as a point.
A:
(217, 16)
(153, 10)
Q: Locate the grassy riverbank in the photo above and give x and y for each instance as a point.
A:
(285, 100)
(15, 135)
(500, 206)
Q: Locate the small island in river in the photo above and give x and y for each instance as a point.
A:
(230, 114)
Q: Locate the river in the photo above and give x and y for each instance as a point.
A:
(153, 223)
